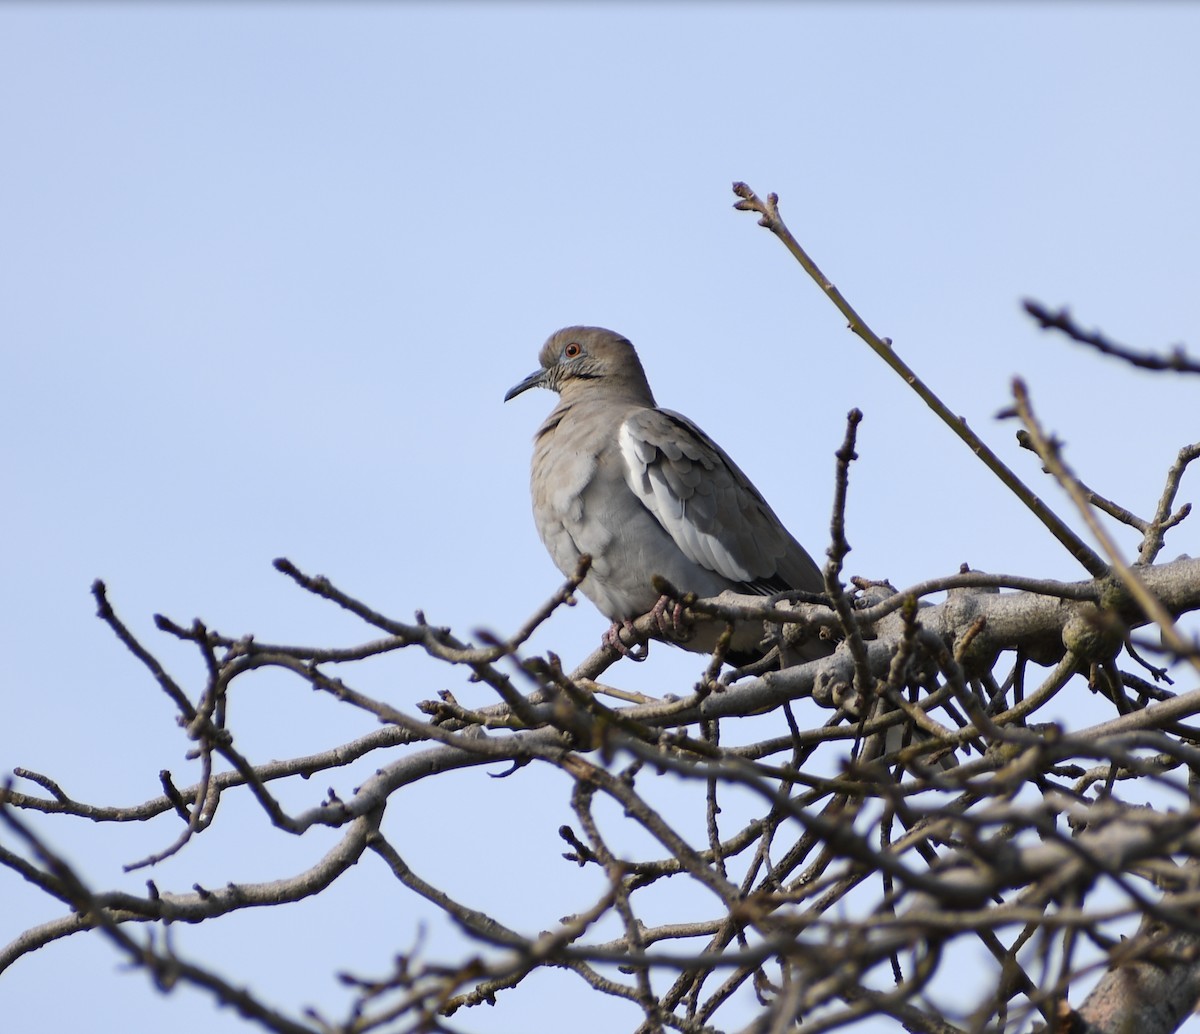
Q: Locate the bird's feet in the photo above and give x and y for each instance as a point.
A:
(638, 652)
(668, 616)
(668, 613)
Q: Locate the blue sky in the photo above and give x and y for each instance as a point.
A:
(266, 272)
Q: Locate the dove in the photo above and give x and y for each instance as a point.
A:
(645, 492)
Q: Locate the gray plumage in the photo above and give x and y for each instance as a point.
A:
(646, 492)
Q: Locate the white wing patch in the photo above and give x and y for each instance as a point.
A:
(644, 473)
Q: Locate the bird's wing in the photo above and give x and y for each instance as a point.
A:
(708, 506)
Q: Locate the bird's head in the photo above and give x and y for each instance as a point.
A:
(588, 359)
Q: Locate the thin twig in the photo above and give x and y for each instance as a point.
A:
(1049, 454)
(768, 212)
(1176, 360)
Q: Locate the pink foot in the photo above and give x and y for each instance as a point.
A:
(674, 626)
(612, 638)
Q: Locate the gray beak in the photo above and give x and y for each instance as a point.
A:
(534, 380)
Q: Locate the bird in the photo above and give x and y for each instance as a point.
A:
(645, 492)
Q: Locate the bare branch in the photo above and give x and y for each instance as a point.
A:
(1176, 360)
(1049, 453)
(769, 217)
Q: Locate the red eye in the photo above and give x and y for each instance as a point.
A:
(572, 350)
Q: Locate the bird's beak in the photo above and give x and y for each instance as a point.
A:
(534, 380)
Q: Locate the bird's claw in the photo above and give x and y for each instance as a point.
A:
(673, 627)
(638, 652)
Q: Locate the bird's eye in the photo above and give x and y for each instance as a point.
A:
(572, 350)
